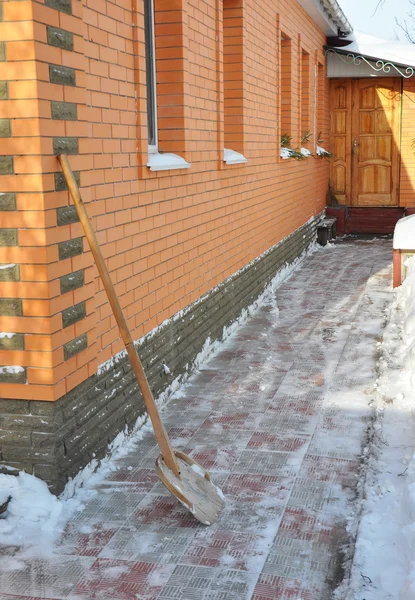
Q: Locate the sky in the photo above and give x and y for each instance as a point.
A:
(382, 24)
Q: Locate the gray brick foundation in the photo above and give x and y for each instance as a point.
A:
(54, 440)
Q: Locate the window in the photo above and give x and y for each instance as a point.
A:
(233, 81)
(165, 102)
(305, 97)
(151, 76)
(319, 112)
(286, 87)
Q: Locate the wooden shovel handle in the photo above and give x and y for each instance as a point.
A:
(159, 430)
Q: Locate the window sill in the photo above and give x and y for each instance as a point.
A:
(231, 157)
(166, 162)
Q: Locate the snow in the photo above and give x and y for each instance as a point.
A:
(11, 370)
(285, 152)
(3, 334)
(7, 266)
(380, 48)
(166, 162)
(404, 234)
(321, 151)
(384, 560)
(166, 369)
(305, 152)
(32, 510)
(233, 158)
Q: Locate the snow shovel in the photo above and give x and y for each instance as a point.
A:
(181, 475)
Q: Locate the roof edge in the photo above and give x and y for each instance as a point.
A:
(328, 15)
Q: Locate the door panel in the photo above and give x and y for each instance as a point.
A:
(341, 132)
(375, 110)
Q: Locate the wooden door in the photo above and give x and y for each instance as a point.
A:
(375, 141)
(365, 122)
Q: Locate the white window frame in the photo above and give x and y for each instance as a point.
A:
(156, 161)
(150, 49)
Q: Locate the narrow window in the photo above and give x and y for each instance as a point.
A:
(151, 76)
(165, 78)
(233, 81)
(319, 112)
(286, 87)
(305, 99)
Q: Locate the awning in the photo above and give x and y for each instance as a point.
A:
(367, 55)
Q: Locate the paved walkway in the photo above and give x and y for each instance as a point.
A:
(279, 417)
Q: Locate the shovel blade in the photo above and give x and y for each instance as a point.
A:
(193, 488)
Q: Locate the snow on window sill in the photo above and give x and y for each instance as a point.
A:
(305, 152)
(321, 151)
(166, 162)
(231, 157)
(285, 152)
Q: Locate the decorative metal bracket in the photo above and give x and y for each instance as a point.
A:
(376, 65)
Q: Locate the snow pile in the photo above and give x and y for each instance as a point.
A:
(407, 303)
(305, 152)
(404, 234)
(384, 560)
(30, 501)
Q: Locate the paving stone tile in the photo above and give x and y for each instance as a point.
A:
(138, 542)
(86, 539)
(46, 578)
(238, 550)
(271, 587)
(238, 421)
(113, 504)
(255, 487)
(122, 580)
(278, 443)
(333, 470)
(282, 464)
(289, 557)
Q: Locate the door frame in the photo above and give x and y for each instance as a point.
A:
(348, 163)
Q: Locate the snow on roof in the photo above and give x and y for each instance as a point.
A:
(376, 48)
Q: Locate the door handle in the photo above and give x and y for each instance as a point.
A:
(355, 146)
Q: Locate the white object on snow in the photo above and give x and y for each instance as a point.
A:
(404, 234)
(231, 157)
(166, 162)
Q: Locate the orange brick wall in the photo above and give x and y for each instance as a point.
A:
(168, 237)
(407, 195)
